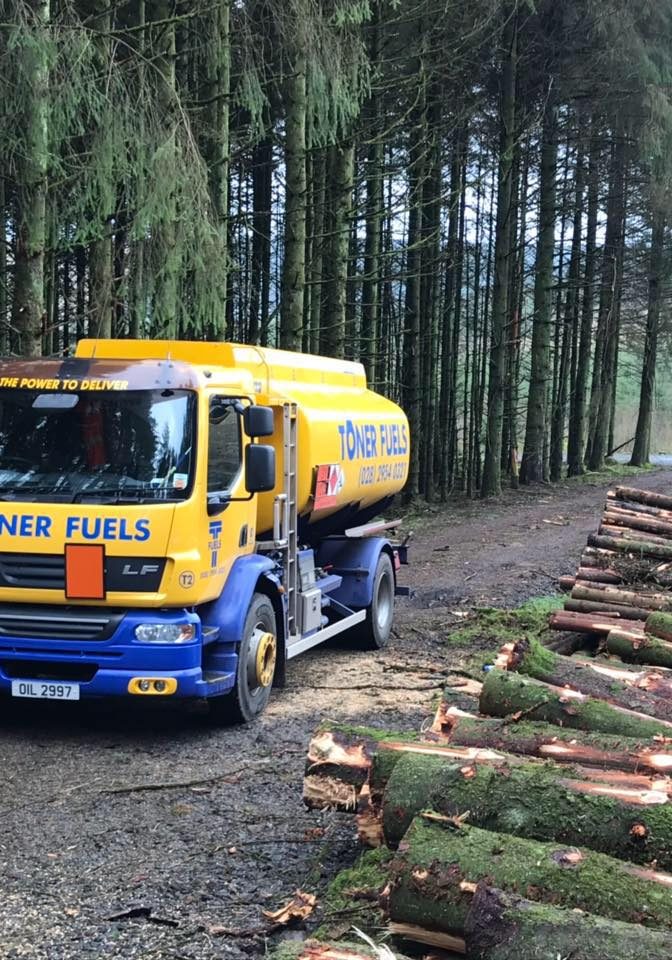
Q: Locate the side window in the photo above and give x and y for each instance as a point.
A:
(224, 446)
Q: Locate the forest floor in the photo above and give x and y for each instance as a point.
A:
(135, 834)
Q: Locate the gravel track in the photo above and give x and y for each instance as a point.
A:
(129, 833)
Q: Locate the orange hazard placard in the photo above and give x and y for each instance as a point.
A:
(84, 571)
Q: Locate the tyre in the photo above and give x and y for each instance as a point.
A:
(256, 667)
(374, 632)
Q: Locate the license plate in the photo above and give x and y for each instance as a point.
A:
(45, 690)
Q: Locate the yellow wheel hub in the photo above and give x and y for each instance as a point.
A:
(265, 661)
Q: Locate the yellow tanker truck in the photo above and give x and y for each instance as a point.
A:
(179, 519)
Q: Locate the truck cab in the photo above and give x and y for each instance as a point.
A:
(160, 533)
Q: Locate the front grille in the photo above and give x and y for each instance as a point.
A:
(58, 623)
(46, 670)
(41, 571)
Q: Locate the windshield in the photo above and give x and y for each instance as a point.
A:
(107, 447)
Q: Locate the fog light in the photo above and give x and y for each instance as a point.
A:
(152, 686)
(165, 632)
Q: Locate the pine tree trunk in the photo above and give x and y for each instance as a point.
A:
(262, 171)
(340, 171)
(161, 34)
(532, 468)
(604, 364)
(576, 442)
(491, 484)
(28, 311)
(411, 386)
(294, 263)
(373, 211)
(216, 136)
(641, 448)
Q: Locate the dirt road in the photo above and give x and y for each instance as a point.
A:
(102, 858)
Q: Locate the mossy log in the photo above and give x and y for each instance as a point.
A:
(646, 649)
(548, 742)
(639, 546)
(646, 600)
(438, 865)
(627, 816)
(635, 691)
(660, 625)
(505, 926)
(510, 694)
(647, 497)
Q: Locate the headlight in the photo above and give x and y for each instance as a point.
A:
(165, 632)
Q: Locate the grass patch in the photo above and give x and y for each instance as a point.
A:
(477, 641)
(613, 471)
(352, 897)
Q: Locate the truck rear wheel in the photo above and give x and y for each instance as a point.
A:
(374, 632)
(256, 667)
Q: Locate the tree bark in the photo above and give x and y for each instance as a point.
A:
(621, 814)
(28, 310)
(491, 482)
(294, 263)
(506, 694)
(340, 170)
(604, 363)
(438, 865)
(533, 468)
(649, 649)
(504, 926)
(565, 746)
(645, 548)
(623, 688)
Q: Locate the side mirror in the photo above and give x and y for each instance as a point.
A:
(258, 421)
(259, 467)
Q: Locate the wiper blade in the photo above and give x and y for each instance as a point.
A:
(121, 496)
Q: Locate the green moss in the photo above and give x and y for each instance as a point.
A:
(482, 635)
(370, 733)
(341, 910)
(539, 871)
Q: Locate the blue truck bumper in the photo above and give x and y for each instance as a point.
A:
(105, 668)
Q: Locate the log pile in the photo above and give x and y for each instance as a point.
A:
(534, 818)
(624, 579)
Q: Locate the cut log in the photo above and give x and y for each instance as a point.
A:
(635, 691)
(640, 547)
(438, 865)
(510, 694)
(645, 649)
(566, 583)
(621, 612)
(338, 762)
(626, 816)
(600, 623)
(646, 600)
(598, 575)
(620, 532)
(504, 926)
(549, 742)
(660, 625)
(316, 950)
(643, 496)
(634, 521)
(565, 643)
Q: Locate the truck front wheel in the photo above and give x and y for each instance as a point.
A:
(374, 632)
(256, 666)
